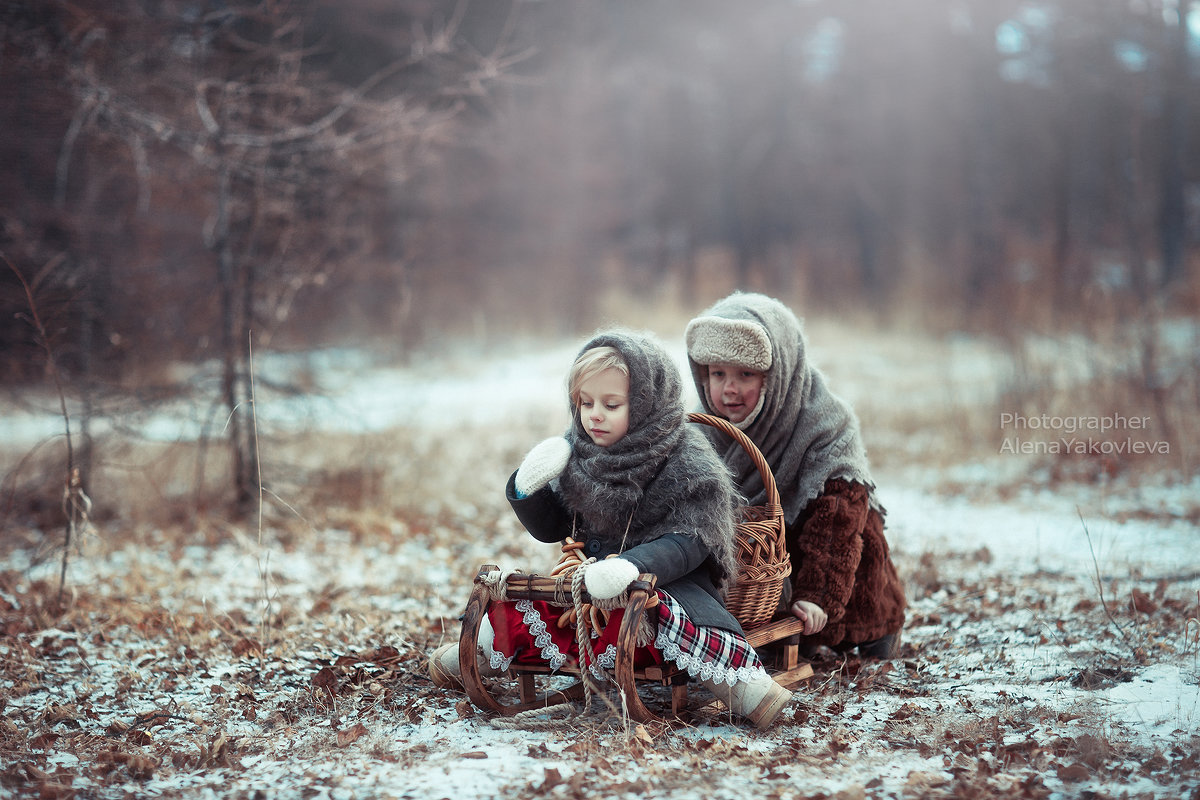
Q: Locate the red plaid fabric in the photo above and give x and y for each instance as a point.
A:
(527, 632)
(706, 653)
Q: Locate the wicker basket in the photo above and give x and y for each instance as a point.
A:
(762, 552)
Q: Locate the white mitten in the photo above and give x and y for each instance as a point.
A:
(544, 463)
(608, 578)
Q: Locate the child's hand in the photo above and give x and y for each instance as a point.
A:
(811, 614)
(544, 463)
(608, 578)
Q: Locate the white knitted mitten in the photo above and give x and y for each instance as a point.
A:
(608, 578)
(544, 463)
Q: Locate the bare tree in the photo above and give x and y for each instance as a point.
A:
(284, 158)
(1173, 211)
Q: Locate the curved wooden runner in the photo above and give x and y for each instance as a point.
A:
(540, 587)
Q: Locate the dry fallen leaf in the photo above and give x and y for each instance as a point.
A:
(52, 790)
(35, 774)
(139, 766)
(919, 781)
(351, 734)
(139, 737)
(1142, 602)
(61, 713)
(1073, 773)
(384, 655)
(550, 778)
(325, 679)
(245, 647)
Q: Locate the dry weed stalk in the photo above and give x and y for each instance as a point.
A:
(264, 569)
(1188, 640)
(76, 504)
(1100, 582)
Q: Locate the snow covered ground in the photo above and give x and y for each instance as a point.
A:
(1052, 647)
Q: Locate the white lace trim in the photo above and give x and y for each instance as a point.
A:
(695, 664)
(487, 641)
(605, 661)
(541, 637)
(697, 667)
(499, 662)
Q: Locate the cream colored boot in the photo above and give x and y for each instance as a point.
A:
(759, 700)
(443, 662)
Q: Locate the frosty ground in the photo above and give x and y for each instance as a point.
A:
(1052, 647)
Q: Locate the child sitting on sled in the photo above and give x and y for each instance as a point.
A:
(750, 363)
(644, 492)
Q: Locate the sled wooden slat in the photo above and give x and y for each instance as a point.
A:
(774, 631)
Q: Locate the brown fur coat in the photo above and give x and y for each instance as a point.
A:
(840, 561)
(811, 440)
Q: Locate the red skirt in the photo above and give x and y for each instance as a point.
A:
(527, 632)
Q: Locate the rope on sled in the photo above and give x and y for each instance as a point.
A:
(583, 637)
(534, 719)
(496, 583)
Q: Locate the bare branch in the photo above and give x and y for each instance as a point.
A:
(141, 165)
(83, 115)
(73, 498)
(206, 116)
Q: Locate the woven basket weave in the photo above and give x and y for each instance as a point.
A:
(762, 552)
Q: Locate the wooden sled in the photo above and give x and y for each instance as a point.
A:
(753, 601)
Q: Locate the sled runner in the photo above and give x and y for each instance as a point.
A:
(764, 566)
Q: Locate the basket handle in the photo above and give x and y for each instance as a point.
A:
(764, 469)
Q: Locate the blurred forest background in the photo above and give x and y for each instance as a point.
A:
(181, 174)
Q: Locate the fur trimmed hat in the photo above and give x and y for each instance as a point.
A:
(720, 340)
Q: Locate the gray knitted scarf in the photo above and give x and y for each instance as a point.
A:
(806, 433)
(663, 476)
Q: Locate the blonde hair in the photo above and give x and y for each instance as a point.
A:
(593, 362)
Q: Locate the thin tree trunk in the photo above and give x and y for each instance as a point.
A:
(231, 348)
(1172, 211)
(249, 481)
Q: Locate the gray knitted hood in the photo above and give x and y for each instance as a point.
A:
(807, 434)
(663, 476)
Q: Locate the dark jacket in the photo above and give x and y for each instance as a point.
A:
(681, 563)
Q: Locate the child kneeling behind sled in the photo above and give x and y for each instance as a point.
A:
(643, 491)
